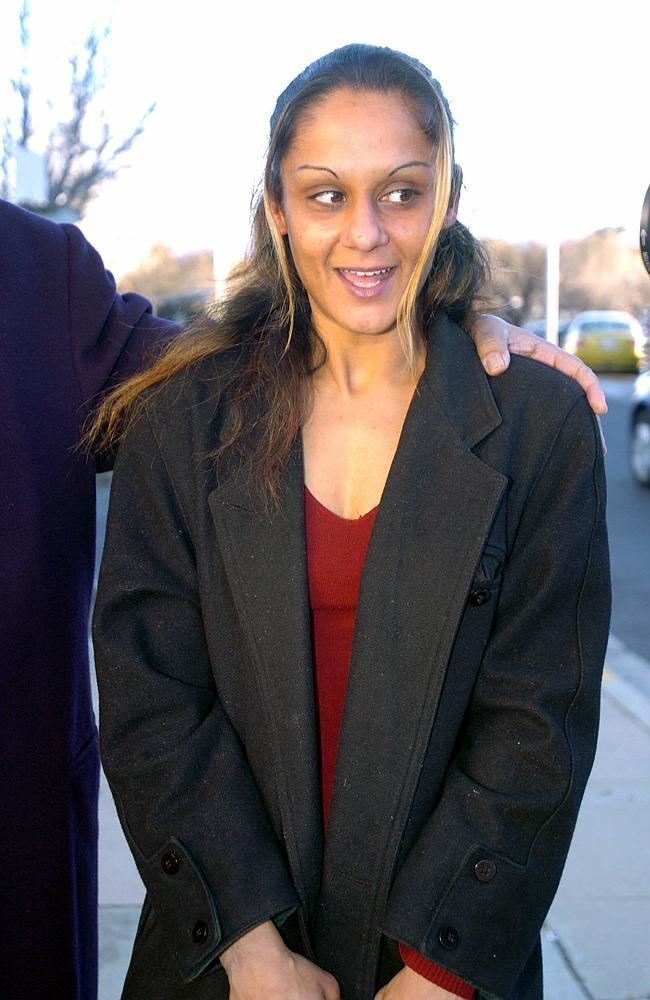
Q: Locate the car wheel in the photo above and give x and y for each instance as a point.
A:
(640, 448)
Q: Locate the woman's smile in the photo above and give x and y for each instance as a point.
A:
(366, 283)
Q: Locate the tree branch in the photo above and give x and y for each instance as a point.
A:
(80, 155)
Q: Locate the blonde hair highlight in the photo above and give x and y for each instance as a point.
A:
(408, 319)
(283, 262)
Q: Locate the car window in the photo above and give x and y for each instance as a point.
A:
(604, 326)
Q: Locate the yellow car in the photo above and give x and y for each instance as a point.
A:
(606, 340)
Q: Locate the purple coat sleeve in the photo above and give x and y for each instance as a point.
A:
(111, 336)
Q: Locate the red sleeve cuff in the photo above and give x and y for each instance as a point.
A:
(435, 973)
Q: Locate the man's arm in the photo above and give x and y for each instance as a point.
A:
(111, 336)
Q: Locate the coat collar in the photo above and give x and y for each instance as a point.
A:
(434, 517)
(456, 379)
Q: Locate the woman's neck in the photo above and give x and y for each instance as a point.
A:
(364, 364)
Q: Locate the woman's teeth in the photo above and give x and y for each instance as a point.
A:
(365, 279)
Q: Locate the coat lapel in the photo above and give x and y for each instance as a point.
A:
(433, 521)
(265, 558)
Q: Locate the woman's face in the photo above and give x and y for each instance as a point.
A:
(357, 200)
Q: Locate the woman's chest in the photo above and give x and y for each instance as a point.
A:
(348, 449)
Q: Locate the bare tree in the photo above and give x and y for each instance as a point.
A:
(603, 271)
(22, 85)
(76, 163)
(4, 159)
(518, 279)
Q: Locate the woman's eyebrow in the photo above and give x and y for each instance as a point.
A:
(411, 163)
(308, 166)
(402, 166)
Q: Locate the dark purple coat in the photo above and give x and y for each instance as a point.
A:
(65, 335)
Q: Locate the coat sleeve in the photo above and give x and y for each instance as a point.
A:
(111, 336)
(475, 887)
(186, 797)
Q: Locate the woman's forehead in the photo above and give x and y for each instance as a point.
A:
(347, 124)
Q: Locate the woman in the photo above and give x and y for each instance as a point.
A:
(344, 773)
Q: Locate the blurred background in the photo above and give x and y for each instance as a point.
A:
(550, 108)
(146, 125)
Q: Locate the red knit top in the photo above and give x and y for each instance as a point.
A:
(336, 551)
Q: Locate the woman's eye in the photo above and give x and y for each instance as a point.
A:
(400, 196)
(328, 197)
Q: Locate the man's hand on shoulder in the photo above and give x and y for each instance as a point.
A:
(495, 340)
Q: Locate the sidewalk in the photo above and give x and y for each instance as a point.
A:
(597, 936)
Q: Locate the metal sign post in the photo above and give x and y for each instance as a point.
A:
(552, 288)
(31, 176)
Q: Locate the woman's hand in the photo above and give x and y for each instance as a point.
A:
(259, 966)
(410, 985)
(495, 339)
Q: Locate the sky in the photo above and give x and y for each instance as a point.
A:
(552, 104)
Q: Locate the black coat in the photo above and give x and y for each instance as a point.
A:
(471, 715)
(65, 336)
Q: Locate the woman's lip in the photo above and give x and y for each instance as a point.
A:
(366, 282)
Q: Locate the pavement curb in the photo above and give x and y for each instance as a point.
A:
(597, 934)
(621, 662)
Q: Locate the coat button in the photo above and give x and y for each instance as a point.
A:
(170, 863)
(200, 931)
(449, 938)
(479, 597)
(485, 870)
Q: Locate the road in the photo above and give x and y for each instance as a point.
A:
(628, 518)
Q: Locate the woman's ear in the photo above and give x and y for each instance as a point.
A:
(450, 217)
(278, 217)
(454, 198)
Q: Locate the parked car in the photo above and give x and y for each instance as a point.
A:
(606, 340)
(639, 440)
(538, 327)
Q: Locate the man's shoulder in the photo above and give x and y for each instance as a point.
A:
(19, 223)
(27, 237)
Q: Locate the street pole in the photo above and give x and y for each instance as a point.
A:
(31, 176)
(552, 288)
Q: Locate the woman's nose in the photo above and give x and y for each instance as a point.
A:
(363, 226)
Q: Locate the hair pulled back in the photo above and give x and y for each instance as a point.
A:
(265, 312)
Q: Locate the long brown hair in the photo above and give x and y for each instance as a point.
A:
(265, 312)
